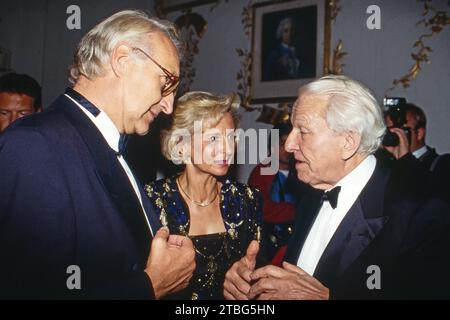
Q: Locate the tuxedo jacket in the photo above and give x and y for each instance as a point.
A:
(71, 225)
(390, 244)
(428, 176)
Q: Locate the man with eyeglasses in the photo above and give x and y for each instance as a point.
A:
(75, 222)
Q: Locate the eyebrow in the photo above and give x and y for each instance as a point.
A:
(211, 133)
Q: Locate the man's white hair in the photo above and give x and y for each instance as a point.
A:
(283, 23)
(130, 26)
(351, 107)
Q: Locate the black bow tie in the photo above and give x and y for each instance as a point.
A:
(332, 196)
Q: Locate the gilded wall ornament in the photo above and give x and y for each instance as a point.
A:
(435, 21)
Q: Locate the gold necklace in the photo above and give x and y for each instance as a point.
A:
(201, 204)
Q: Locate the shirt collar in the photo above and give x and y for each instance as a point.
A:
(104, 124)
(420, 152)
(353, 183)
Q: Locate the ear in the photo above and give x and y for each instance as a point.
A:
(351, 143)
(421, 134)
(120, 59)
(183, 150)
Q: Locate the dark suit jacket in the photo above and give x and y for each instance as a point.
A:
(440, 177)
(408, 238)
(66, 200)
(427, 176)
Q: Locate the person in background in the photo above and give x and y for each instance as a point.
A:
(415, 146)
(279, 203)
(20, 95)
(220, 216)
(421, 168)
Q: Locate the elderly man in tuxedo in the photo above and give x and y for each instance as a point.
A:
(358, 236)
(74, 220)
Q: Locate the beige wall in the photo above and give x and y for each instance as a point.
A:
(36, 33)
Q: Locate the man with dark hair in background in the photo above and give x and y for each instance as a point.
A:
(418, 164)
(20, 95)
(416, 122)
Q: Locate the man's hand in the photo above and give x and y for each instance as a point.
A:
(287, 283)
(403, 147)
(171, 263)
(237, 278)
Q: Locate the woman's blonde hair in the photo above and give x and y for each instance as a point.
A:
(96, 46)
(192, 107)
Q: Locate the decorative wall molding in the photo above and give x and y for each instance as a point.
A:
(335, 8)
(192, 27)
(435, 21)
(244, 75)
(337, 67)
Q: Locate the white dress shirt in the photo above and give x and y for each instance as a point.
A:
(328, 219)
(420, 152)
(112, 136)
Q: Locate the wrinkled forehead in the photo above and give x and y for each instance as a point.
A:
(309, 107)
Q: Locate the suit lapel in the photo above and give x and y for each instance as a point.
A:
(428, 157)
(110, 173)
(358, 229)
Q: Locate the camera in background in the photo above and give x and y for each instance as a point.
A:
(395, 109)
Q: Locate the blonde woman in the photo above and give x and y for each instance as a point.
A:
(221, 217)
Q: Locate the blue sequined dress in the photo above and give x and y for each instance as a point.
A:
(241, 210)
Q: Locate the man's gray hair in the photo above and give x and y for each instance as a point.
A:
(130, 26)
(351, 107)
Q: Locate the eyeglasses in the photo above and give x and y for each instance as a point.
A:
(172, 80)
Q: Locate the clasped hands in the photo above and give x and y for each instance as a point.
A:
(243, 282)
